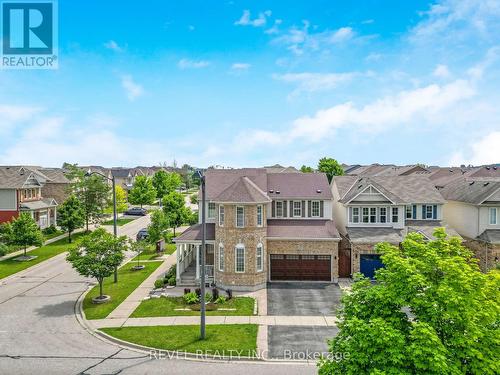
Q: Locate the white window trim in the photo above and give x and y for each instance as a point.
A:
(239, 247)
(392, 214)
(492, 209)
(236, 217)
(358, 215)
(221, 248)
(410, 207)
(261, 268)
(260, 216)
(282, 208)
(312, 209)
(208, 209)
(223, 216)
(299, 208)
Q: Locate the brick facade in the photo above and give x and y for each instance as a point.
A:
(356, 251)
(60, 192)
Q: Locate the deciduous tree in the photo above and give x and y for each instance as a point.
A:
(331, 167)
(143, 191)
(158, 227)
(306, 169)
(24, 232)
(431, 311)
(175, 210)
(70, 215)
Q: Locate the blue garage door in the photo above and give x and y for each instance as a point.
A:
(369, 264)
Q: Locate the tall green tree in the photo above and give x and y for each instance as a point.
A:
(174, 181)
(160, 183)
(143, 191)
(97, 255)
(306, 169)
(92, 191)
(121, 199)
(331, 167)
(431, 311)
(70, 215)
(24, 232)
(158, 227)
(175, 210)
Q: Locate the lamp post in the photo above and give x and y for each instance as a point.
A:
(202, 271)
(115, 231)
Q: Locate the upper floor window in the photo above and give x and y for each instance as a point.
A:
(279, 208)
(428, 212)
(382, 215)
(240, 216)
(239, 258)
(373, 214)
(395, 214)
(493, 216)
(315, 208)
(366, 215)
(260, 256)
(297, 208)
(409, 212)
(355, 215)
(211, 210)
(259, 215)
(221, 215)
(221, 257)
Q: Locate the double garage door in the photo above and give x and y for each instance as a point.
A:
(300, 267)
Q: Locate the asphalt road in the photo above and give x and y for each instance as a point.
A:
(39, 332)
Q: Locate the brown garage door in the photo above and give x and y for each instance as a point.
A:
(300, 267)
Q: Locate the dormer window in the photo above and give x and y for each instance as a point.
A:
(279, 208)
(315, 211)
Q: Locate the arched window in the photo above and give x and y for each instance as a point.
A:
(239, 258)
(260, 257)
(221, 257)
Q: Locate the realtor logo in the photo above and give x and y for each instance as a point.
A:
(29, 34)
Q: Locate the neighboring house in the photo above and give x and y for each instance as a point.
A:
(383, 170)
(262, 227)
(473, 208)
(369, 210)
(57, 185)
(21, 191)
(124, 177)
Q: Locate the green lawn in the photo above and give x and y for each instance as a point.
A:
(128, 281)
(220, 338)
(119, 222)
(10, 266)
(165, 306)
(151, 254)
(53, 235)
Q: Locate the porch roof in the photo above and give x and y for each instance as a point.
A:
(38, 205)
(427, 227)
(193, 233)
(490, 236)
(302, 229)
(374, 235)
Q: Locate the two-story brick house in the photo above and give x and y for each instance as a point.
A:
(21, 191)
(262, 227)
(369, 210)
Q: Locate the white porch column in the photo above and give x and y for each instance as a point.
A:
(55, 216)
(178, 267)
(198, 247)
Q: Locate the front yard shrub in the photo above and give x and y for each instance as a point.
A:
(3, 249)
(159, 283)
(220, 300)
(198, 292)
(208, 297)
(191, 298)
(215, 294)
(193, 198)
(49, 230)
(171, 272)
(172, 281)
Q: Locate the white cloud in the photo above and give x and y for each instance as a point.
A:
(312, 82)
(132, 89)
(192, 64)
(10, 115)
(341, 35)
(246, 20)
(441, 71)
(275, 28)
(485, 150)
(112, 45)
(238, 68)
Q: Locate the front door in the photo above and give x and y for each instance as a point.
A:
(344, 262)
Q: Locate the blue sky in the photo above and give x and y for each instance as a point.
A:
(241, 83)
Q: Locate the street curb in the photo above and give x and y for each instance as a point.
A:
(38, 265)
(168, 354)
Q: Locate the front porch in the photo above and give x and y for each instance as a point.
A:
(189, 263)
(44, 212)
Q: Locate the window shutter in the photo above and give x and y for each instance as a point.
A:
(423, 211)
(291, 208)
(321, 204)
(284, 208)
(414, 214)
(303, 208)
(434, 212)
(308, 208)
(273, 209)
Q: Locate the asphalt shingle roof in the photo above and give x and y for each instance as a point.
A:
(302, 229)
(193, 233)
(243, 190)
(365, 235)
(490, 236)
(470, 191)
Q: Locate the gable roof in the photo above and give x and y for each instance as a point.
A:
(243, 190)
(490, 236)
(472, 191)
(298, 185)
(16, 177)
(398, 189)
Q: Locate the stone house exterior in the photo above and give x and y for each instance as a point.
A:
(370, 210)
(262, 227)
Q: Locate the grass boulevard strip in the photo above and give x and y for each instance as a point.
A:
(128, 281)
(241, 338)
(11, 266)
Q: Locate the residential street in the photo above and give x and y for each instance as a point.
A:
(39, 332)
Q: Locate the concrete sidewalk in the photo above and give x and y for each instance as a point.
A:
(321, 321)
(128, 306)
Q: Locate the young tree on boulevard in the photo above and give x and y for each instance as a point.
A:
(431, 311)
(70, 215)
(97, 256)
(331, 167)
(143, 191)
(121, 199)
(157, 229)
(24, 232)
(175, 210)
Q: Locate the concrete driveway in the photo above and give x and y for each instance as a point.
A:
(302, 299)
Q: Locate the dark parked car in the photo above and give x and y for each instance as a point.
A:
(136, 211)
(142, 234)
